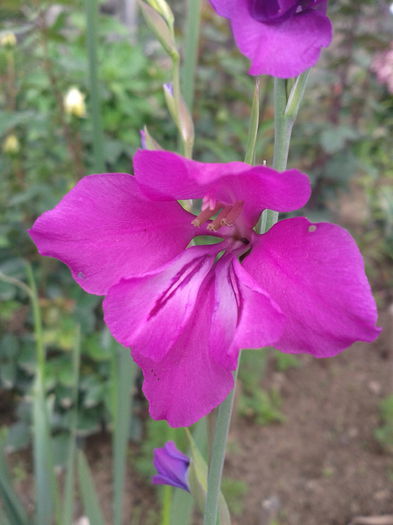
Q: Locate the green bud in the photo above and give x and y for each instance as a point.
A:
(147, 141)
(160, 28)
(162, 7)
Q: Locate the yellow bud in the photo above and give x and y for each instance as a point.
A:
(11, 145)
(74, 103)
(8, 39)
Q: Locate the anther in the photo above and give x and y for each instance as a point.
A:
(205, 215)
(234, 213)
(219, 221)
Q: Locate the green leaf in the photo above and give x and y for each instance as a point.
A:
(125, 375)
(18, 436)
(88, 492)
(43, 460)
(68, 496)
(12, 507)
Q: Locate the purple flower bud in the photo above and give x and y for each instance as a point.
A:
(142, 134)
(168, 87)
(172, 466)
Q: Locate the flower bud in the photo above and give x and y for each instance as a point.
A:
(74, 103)
(162, 7)
(172, 467)
(147, 141)
(11, 145)
(160, 28)
(8, 39)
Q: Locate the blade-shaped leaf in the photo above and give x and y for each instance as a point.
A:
(125, 371)
(88, 492)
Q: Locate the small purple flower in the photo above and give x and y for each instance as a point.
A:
(172, 467)
(281, 38)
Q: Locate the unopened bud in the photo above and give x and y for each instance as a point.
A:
(159, 26)
(147, 141)
(74, 103)
(8, 39)
(162, 7)
(11, 145)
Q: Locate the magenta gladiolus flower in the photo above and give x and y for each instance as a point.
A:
(281, 38)
(172, 466)
(187, 312)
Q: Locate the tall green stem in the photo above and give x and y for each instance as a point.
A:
(191, 50)
(224, 412)
(253, 124)
(92, 44)
(38, 333)
(285, 113)
(216, 466)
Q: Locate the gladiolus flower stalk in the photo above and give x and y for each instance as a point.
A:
(284, 119)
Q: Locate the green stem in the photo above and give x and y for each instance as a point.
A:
(191, 50)
(92, 44)
(216, 466)
(285, 113)
(254, 124)
(167, 491)
(224, 412)
(37, 320)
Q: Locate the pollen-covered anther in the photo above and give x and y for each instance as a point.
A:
(205, 215)
(231, 217)
(218, 221)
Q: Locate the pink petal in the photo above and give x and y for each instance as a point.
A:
(164, 175)
(315, 273)
(148, 313)
(104, 229)
(223, 7)
(244, 317)
(187, 384)
(283, 49)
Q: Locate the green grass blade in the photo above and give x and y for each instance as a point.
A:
(88, 492)
(3, 519)
(96, 121)
(45, 483)
(68, 497)
(125, 372)
(12, 508)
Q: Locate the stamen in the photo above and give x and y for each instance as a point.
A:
(205, 215)
(234, 213)
(219, 221)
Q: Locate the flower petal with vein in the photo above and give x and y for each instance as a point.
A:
(281, 38)
(187, 311)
